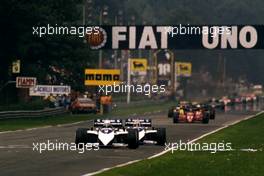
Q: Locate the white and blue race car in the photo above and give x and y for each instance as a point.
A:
(146, 133)
(108, 133)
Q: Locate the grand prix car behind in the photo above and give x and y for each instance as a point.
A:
(191, 114)
(147, 133)
(108, 133)
(173, 109)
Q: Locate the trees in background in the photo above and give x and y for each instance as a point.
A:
(51, 55)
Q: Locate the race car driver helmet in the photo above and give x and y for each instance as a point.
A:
(107, 123)
(136, 123)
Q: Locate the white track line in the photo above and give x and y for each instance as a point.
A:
(109, 168)
(28, 129)
(15, 147)
(166, 151)
(48, 126)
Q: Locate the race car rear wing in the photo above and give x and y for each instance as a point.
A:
(112, 122)
(141, 122)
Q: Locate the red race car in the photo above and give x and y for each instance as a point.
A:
(191, 114)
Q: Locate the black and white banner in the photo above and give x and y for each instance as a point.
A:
(178, 37)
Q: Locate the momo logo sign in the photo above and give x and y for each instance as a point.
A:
(96, 77)
(179, 37)
(183, 69)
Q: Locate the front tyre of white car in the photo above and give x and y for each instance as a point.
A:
(161, 136)
(81, 136)
(132, 138)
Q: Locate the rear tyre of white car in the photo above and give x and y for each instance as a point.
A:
(132, 138)
(161, 136)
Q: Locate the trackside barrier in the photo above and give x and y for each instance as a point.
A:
(36, 113)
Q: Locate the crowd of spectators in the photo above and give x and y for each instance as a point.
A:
(59, 101)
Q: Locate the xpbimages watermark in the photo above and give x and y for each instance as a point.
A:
(145, 89)
(49, 145)
(80, 31)
(194, 147)
(213, 31)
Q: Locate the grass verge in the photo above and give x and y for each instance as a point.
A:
(244, 135)
(24, 123)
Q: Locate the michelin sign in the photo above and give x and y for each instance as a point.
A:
(46, 90)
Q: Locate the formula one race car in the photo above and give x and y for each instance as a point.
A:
(173, 109)
(108, 133)
(147, 133)
(191, 114)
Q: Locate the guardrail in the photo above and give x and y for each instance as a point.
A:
(36, 113)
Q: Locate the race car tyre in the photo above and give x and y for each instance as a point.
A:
(206, 118)
(176, 118)
(132, 138)
(81, 136)
(161, 136)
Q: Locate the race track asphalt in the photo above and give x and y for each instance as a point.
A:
(18, 158)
